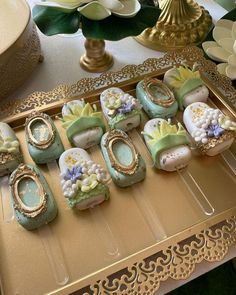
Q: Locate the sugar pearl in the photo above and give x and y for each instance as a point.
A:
(86, 181)
(204, 140)
(197, 138)
(204, 125)
(84, 170)
(214, 122)
(227, 123)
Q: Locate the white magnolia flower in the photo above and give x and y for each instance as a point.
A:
(223, 49)
(100, 9)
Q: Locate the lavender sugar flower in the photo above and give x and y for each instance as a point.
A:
(214, 131)
(73, 174)
(126, 108)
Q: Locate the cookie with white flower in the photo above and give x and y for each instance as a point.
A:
(10, 155)
(168, 144)
(121, 109)
(83, 123)
(187, 85)
(83, 181)
(212, 131)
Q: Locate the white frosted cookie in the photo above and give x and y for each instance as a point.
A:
(168, 144)
(187, 85)
(210, 129)
(121, 109)
(84, 125)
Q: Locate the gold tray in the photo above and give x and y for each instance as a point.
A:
(144, 262)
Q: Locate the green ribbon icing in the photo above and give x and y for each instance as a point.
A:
(188, 86)
(165, 143)
(120, 117)
(82, 124)
(81, 196)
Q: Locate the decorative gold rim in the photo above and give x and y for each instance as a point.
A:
(44, 144)
(116, 136)
(147, 83)
(23, 171)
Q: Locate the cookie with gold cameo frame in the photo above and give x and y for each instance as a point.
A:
(168, 144)
(84, 182)
(83, 123)
(122, 110)
(10, 154)
(32, 198)
(43, 140)
(157, 99)
(125, 165)
(211, 130)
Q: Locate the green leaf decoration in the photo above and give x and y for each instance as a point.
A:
(55, 20)
(115, 28)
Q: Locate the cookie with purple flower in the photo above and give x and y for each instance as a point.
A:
(121, 109)
(211, 130)
(83, 181)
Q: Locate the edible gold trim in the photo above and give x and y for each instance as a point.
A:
(43, 144)
(147, 83)
(212, 142)
(23, 171)
(6, 157)
(116, 136)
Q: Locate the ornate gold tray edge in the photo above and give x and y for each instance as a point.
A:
(175, 257)
(86, 87)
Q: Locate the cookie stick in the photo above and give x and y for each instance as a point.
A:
(171, 141)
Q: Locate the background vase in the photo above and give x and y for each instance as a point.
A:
(96, 59)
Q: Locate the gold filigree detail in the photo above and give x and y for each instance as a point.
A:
(177, 262)
(23, 171)
(40, 144)
(188, 55)
(212, 142)
(113, 137)
(6, 157)
(147, 83)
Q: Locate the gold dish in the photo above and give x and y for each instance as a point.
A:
(143, 262)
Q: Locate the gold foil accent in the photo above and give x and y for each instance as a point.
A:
(40, 144)
(23, 171)
(113, 137)
(212, 141)
(147, 83)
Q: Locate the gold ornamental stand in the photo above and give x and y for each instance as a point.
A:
(181, 23)
(96, 59)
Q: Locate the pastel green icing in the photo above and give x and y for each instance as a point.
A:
(120, 117)
(123, 153)
(40, 131)
(81, 196)
(163, 137)
(188, 86)
(28, 192)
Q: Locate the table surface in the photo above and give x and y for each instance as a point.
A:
(61, 66)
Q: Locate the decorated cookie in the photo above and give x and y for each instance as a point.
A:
(125, 164)
(10, 155)
(157, 99)
(168, 144)
(44, 143)
(187, 85)
(121, 110)
(82, 180)
(32, 198)
(210, 129)
(84, 125)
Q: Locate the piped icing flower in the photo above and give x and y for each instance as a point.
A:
(163, 129)
(210, 123)
(76, 112)
(9, 145)
(84, 177)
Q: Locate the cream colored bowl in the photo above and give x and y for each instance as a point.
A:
(19, 45)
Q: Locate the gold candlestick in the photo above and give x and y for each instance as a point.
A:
(181, 23)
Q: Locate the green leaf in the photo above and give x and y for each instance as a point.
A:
(55, 20)
(116, 28)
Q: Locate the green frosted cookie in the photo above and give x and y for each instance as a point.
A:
(32, 198)
(44, 142)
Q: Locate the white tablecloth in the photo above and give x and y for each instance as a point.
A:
(62, 53)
